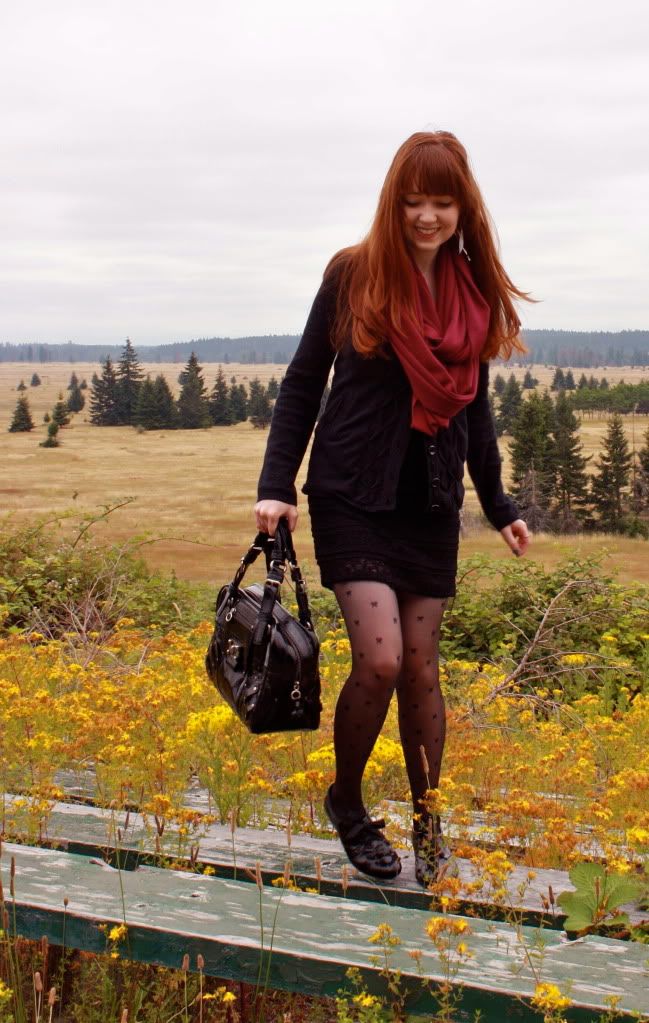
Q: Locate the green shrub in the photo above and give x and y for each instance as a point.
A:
(56, 583)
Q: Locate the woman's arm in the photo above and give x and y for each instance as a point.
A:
(483, 458)
(297, 405)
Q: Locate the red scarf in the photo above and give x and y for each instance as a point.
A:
(440, 348)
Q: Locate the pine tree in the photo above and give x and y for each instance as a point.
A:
(219, 401)
(145, 412)
(83, 385)
(103, 396)
(260, 411)
(499, 384)
(558, 380)
(22, 386)
(22, 421)
(582, 383)
(643, 454)
(51, 440)
(570, 479)
(193, 404)
(603, 384)
(166, 407)
(238, 402)
(273, 389)
(156, 408)
(611, 479)
(35, 380)
(76, 401)
(129, 379)
(529, 382)
(74, 382)
(60, 412)
(510, 401)
(569, 381)
(532, 456)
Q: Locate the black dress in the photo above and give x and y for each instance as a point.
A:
(411, 548)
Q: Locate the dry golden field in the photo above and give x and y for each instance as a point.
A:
(194, 490)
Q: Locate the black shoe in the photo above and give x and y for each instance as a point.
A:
(368, 850)
(433, 858)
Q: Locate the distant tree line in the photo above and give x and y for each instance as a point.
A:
(121, 395)
(583, 349)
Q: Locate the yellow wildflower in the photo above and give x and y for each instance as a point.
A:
(548, 998)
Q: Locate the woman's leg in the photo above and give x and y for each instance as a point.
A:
(371, 614)
(422, 717)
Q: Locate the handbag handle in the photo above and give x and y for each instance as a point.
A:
(278, 550)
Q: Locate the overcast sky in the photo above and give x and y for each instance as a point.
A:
(179, 170)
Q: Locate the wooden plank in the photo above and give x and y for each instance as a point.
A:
(93, 831)
(171, 913)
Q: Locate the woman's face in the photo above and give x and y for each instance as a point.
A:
(429, 221)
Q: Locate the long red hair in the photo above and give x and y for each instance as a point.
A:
(375, 276)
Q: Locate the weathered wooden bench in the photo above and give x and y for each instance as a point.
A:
(316, 936)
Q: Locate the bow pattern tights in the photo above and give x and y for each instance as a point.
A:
(394, 641)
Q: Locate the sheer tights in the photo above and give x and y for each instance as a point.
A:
(395, 645)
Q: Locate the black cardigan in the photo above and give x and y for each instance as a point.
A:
(362, 437)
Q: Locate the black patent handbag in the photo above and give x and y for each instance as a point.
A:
(262, 660)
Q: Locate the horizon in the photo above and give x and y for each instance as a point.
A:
(213, 177)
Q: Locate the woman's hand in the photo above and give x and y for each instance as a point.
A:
(268, 514)
(517, 537)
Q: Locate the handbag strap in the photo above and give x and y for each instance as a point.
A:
(279, 551)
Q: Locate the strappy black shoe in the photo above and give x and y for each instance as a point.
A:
(433, 858)
(368, 850)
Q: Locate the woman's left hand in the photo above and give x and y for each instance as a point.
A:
(516, 536)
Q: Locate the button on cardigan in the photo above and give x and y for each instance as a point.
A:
(362, 436)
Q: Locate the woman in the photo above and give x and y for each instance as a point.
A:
(410, 325)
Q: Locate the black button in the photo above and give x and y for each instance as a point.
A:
(431, 449)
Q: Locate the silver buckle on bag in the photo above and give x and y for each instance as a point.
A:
(232, 652)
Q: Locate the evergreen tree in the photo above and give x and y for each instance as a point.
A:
(510, 402)
(532, 455)
(219, 401)
(558, 380)
(74, 382)
(643, 454)
(145, 412)
(46, 417)
(260, 411)
(193, 403)
(611, 479)
(76, 401)
(129, 379)
(166, 407)
(529, 382)
(84, 385)
(35, 380)
(238, 402)
(273, 389)
(570, 479)
(603, 384)
(593, 382)
(156, 408)
(103, 396)
(22, 421)
(22, 386)
(583, 382)
(60, 412)
(499, 384)
(51, 441)
(569, 381)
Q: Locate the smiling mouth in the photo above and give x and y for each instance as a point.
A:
(427, 230)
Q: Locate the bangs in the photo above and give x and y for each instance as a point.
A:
(432, 170)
